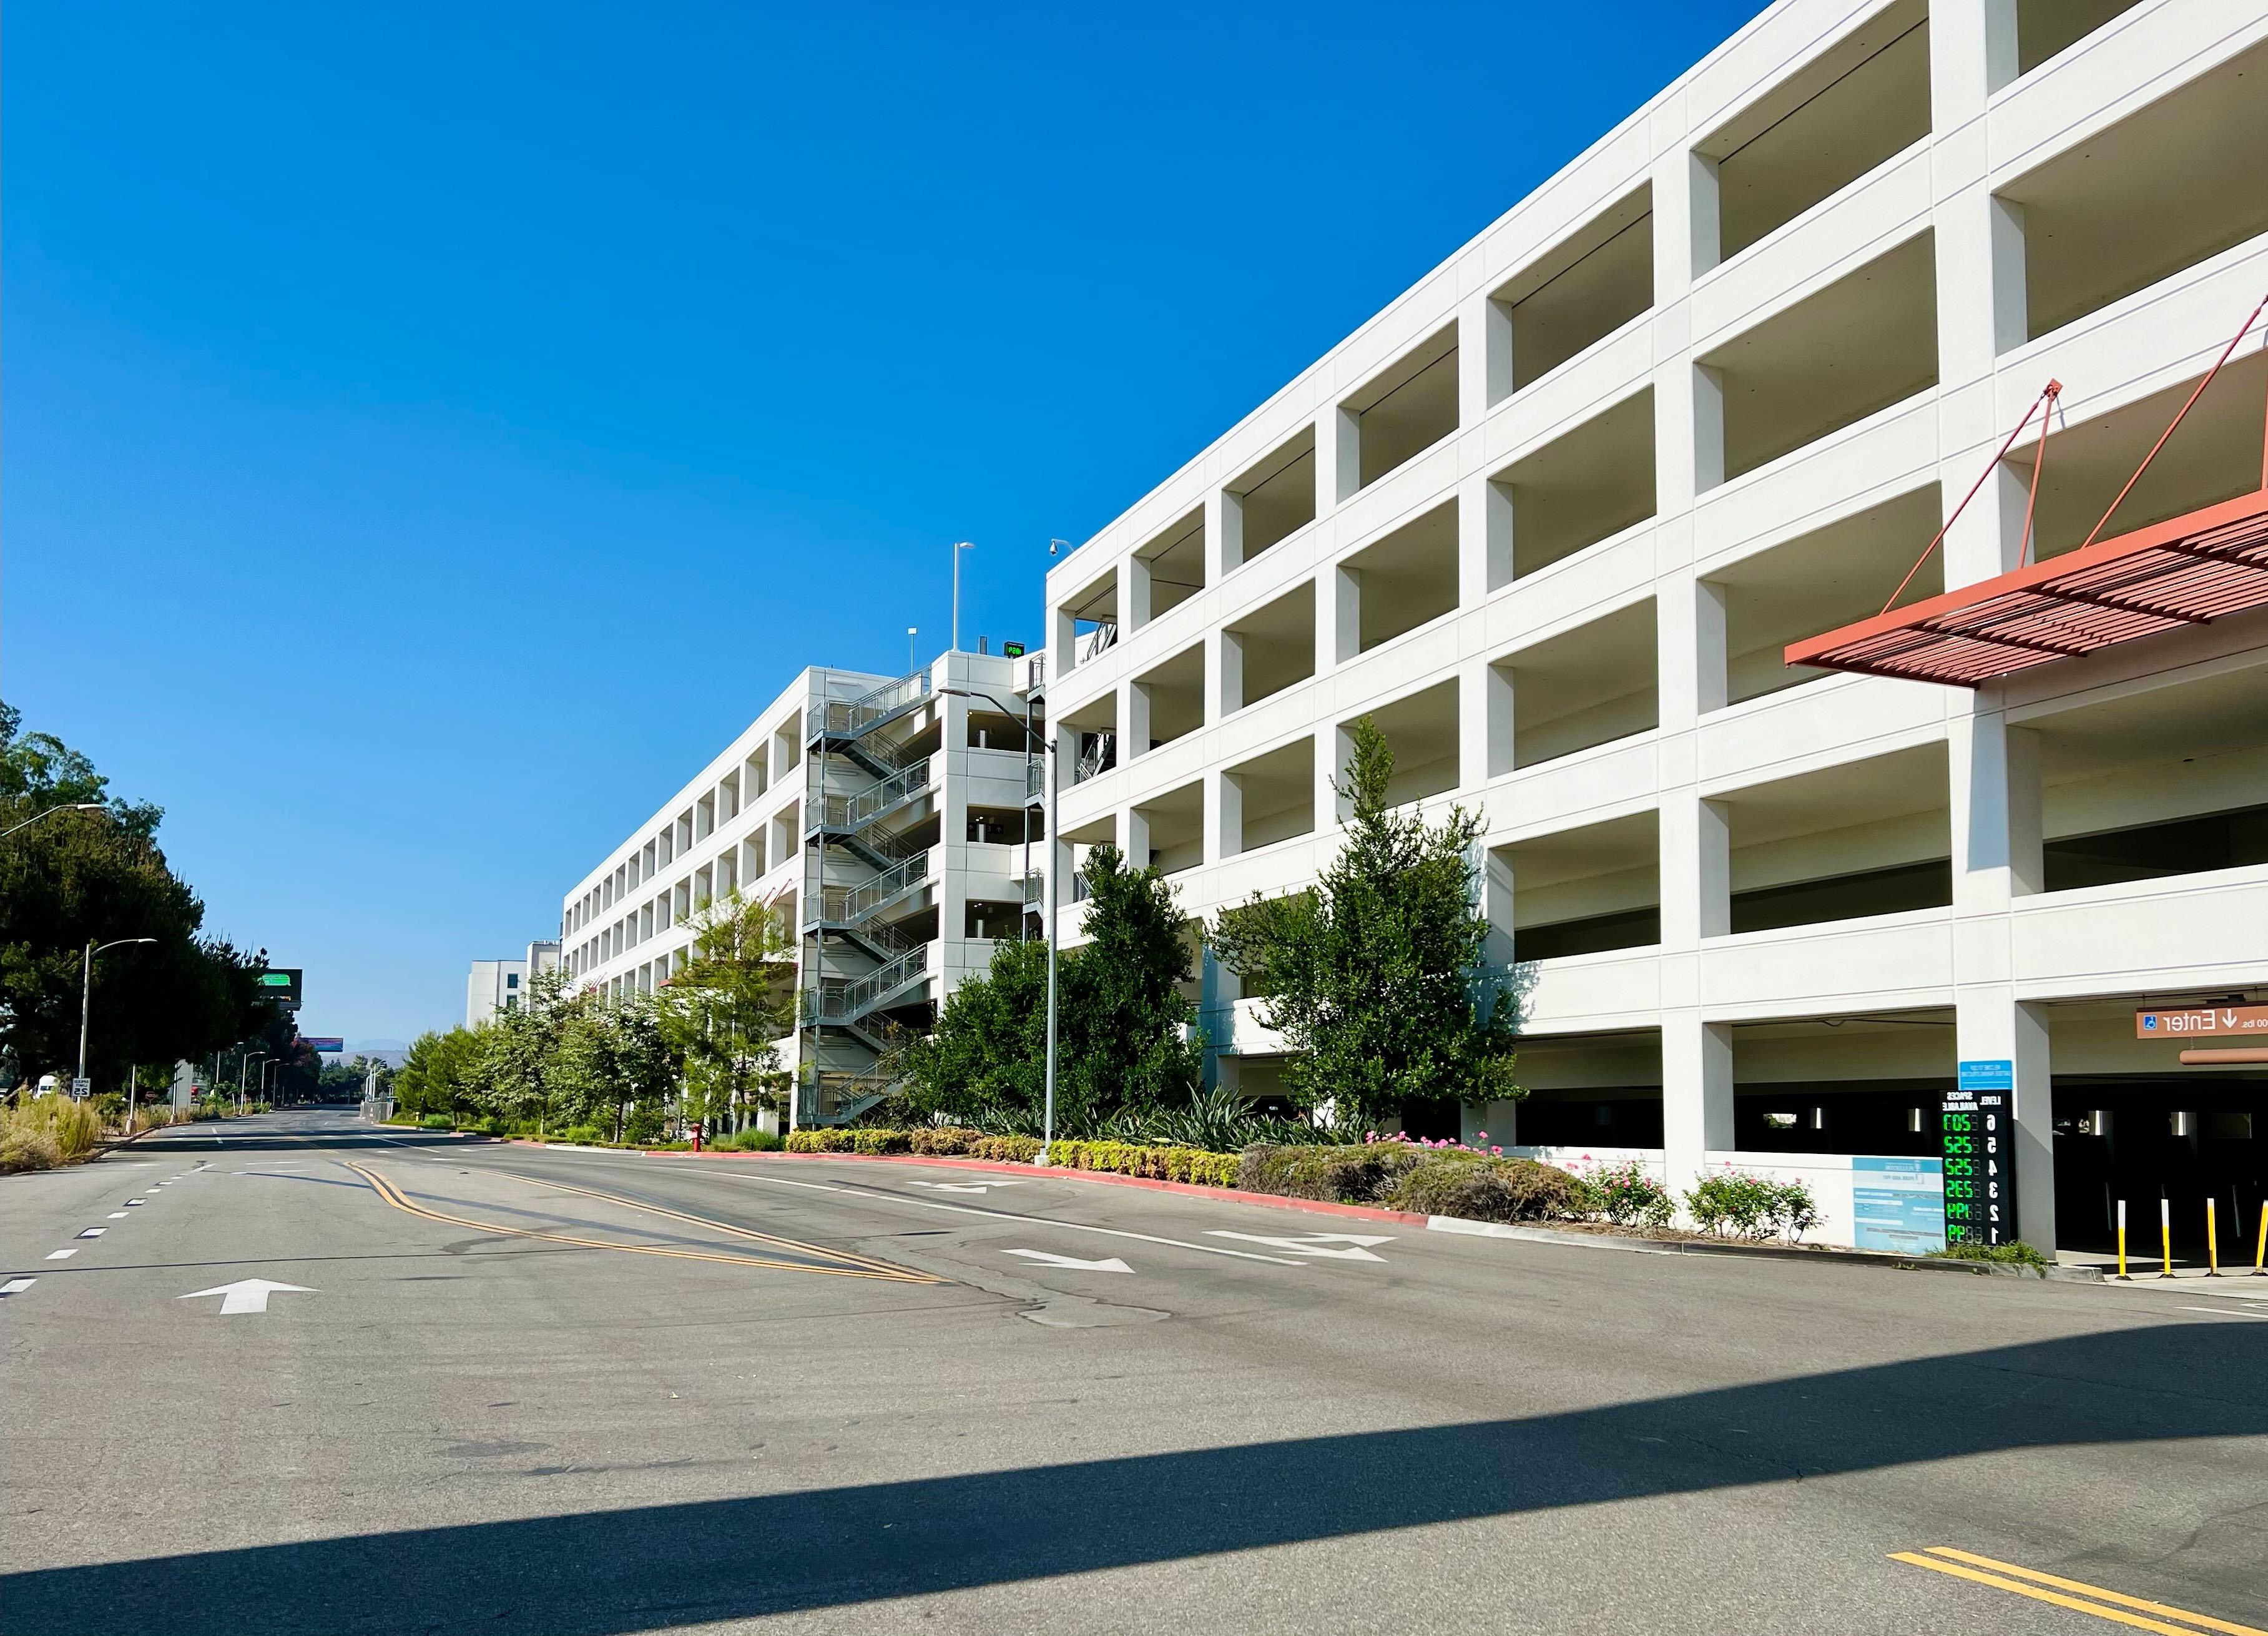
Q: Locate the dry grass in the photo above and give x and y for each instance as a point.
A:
(40, 1132)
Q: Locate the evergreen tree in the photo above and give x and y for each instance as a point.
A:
(1378, 977)
(1123, 1040)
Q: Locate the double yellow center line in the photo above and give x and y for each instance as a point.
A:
(835, 1263)
(2070, 1593)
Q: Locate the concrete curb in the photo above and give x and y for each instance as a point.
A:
(1458, 1224)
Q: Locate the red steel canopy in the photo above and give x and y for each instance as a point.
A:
(2185, 572)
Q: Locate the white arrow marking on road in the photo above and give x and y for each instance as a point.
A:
(247, 1294)
(1317, 1243)
(94, 1232)
(965, 1187)
(1046, 1260)
(62, 1254)
(17, 1286)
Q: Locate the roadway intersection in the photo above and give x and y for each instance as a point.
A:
(308, 1376)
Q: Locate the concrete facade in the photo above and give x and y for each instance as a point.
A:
(883, 817)
(1549, 518)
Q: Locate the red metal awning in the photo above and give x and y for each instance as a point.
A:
(2185, 571)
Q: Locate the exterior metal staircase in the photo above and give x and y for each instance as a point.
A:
(863, 960)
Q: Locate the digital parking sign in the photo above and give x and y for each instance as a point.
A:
(1980, 1155)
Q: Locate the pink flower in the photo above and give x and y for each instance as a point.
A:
(1480, 1136)
(1498, 1152)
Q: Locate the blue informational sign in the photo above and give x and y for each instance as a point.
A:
(1897, 1204)
(1987, 1073)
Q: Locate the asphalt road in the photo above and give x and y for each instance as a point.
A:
(558, 1393)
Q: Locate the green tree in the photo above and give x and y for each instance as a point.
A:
(725, 1010)
(74, 877)
(438, 1075)
(1125, 1045)
(1379, 977)
(520, 1051)
(615, 1067)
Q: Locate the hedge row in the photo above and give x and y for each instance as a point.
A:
(1167, 1164)
(1433, 1181)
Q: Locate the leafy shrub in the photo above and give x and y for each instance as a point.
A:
(1163, 1164)
(436, 1122)
(748, 1141)
(1008, 1149)
(944, 1138)
(1221, 1121)
(2016, 1253)
(585, 1133)
(881, 1142)
(1486, 1188)
(1335, 1175)
(1733, 1204)
(1627, 1196)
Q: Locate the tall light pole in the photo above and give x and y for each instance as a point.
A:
(243, 1062)
(273, 1062)
(958, 548)
(86, 984)
(68, 807)
(911, 632)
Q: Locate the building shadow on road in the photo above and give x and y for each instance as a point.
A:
(658, 1566)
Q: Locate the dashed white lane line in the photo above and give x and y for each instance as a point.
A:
(132, 1201)
(116, 1215)
(94, 1232)
(62, 1254)
(17, 1286)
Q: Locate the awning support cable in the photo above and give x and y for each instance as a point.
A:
(2185, 408)
(2039, 465)
(2047, 397)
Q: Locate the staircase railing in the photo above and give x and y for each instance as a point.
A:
(855, 716)
(840, 999)
(850, 812)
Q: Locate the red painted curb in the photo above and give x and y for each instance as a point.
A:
(1230, 1195)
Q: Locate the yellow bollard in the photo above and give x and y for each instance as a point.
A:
(2122, 1243)
(2260, 1250)
(2211, 1243)
(2166, 1236)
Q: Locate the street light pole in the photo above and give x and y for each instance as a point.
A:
(87, 984)
(68, 807)
(243, 1060)
(959, 546)
(1048, 1117)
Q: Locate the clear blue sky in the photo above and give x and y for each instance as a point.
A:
(432, 431)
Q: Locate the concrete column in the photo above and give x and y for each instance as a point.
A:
(1494, 322)
(1497, 518)
(1343, 612)
(1062, 643)
(1224, 815)
(1473, 684)
(1703, 234)
(1338, 457)
(1223, 517)
(1333, 750)
(1133, 595)
(1476, 321)
(1497, 718)
(1133, 721)
(1990, 1024)
(1134, 826)
(1696, 1094)
(1994, 787)
(1498, 881)
(1472, 542)
(1707, 428)
(1225, 663)
(1695, 869)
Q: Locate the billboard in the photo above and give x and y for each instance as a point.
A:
(280, 983)
(324, 1044)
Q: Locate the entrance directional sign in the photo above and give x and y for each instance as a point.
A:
(1979, 1128)
(2190, 1020)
